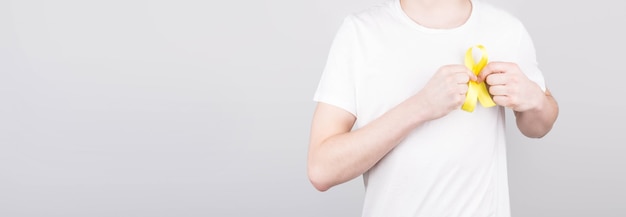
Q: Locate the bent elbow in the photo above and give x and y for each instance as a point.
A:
(317, 179)
(535, 134)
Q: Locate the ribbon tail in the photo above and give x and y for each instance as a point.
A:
(471, 97)
(483, 96)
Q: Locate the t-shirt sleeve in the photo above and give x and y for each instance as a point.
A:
(337, 84)
(527, 59)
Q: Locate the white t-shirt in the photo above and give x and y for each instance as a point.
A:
(454, 166)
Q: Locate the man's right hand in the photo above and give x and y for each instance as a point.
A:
(444, 92)
(338, 154)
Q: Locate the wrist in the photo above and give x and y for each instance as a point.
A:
(540, 102)
(417, 111)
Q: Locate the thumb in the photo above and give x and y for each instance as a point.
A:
(472, 76)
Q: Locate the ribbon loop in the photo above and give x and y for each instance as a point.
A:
(476, 91)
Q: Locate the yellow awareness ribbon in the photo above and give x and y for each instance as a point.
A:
(476, 91)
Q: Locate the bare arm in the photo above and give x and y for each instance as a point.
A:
(537, 122)
(337, 154)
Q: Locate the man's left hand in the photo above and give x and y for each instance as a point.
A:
(510, 87)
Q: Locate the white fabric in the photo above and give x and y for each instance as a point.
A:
(454, 166)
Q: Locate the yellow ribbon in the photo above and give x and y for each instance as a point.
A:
(476, 91)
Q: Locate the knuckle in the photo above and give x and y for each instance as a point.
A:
(450, 79)
(492, 79)
(453, 91)
(460, 99)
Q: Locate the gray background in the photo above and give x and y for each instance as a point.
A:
(202, 108)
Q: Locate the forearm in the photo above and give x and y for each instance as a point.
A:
(536, 123)
(345, 156)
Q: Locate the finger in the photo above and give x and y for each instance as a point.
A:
(457, 67)
(498, 90)
(463, 89)
(465, 75)
(472, 76)
(497, 79)
(454, 68)
(501, 100)
(493, 67)
(460, 99)
(461, 78)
